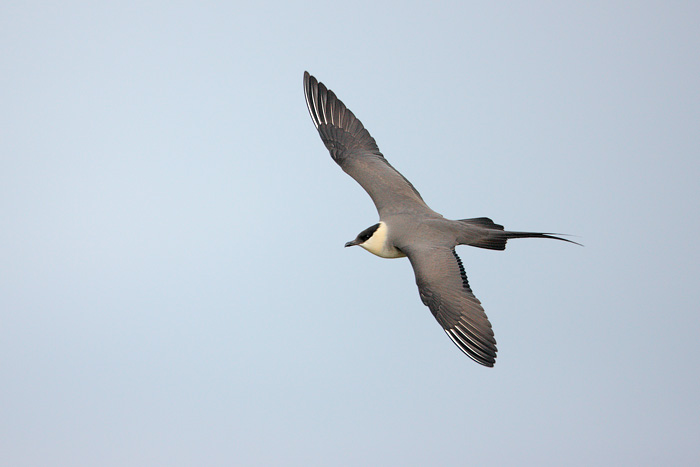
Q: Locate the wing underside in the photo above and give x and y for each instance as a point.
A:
(444, 288)
(356, 151)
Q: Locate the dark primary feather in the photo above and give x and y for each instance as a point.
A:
(444, 288)
(354, 149)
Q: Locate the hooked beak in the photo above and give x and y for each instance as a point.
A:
(352, 243)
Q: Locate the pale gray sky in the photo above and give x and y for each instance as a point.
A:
(173, 284)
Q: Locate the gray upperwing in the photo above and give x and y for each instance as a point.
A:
(354, 149)
(443, 287)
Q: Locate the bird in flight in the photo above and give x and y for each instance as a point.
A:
(407, 227)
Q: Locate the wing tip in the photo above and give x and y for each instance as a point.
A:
(483, 356)
(325, 108)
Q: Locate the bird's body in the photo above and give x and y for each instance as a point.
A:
(407, 227)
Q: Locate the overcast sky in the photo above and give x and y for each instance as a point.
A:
(173, 284)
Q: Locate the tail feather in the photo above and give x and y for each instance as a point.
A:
(483, 222)
(493, 237)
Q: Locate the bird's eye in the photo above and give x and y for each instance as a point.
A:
(367, 233)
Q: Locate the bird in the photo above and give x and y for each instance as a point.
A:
(407, 227)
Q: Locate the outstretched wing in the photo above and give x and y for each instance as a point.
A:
(443, 287)
(354, 149)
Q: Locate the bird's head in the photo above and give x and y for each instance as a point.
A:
(374, 240)
(364, 238)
